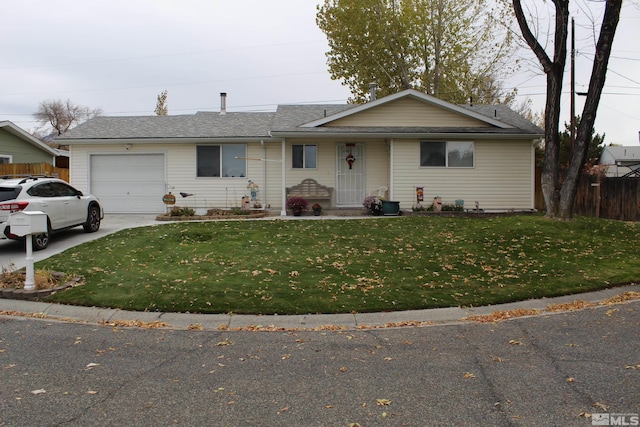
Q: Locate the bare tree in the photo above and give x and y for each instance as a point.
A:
(161, 106)
(63, 115)
(560, 196)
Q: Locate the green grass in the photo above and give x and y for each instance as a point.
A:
(338, 266)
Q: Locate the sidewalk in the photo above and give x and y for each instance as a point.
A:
(438, 316)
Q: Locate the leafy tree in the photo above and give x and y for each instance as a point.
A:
(63, 115)
(560, 196)
(452, 49)
(161, 106)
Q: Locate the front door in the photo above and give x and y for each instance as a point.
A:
(350, 170)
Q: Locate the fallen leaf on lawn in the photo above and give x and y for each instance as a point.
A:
(515, 342)
(224, 343)
(469, 375)
(383, 402)
(39, 391)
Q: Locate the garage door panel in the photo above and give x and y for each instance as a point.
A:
(129, 183)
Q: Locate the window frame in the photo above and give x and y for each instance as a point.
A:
(218, 171)
(447, 153)
(305, 161)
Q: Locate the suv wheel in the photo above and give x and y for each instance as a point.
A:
(93, 220)
(41, 241)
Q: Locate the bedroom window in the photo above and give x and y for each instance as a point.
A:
(456, 154)
(304, 156)
(225, 160)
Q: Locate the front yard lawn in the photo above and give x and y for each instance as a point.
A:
(350, 265)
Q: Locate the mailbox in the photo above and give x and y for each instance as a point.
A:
(28, 222)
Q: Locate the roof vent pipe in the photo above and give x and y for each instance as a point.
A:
(372, 90)
(223, 103)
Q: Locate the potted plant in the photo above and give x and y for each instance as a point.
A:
(297, 205)
(373, 204)
(317, 209)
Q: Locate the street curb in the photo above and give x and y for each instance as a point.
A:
(312, 322)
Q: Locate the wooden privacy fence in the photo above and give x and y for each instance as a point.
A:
(18, 170)
(610, 198)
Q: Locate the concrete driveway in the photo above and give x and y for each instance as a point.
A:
(13, 252)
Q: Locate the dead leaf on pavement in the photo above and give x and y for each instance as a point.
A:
(39, 391)
(468, 375)
(383, 402)
(515, 342)
(224, 343)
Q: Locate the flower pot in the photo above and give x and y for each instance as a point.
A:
(317, 212)
(297, 212)
(390, 208)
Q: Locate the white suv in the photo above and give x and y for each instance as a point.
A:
(65, 206)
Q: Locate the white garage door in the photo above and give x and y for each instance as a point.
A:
(129, 183)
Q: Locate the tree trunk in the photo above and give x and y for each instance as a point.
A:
(588, 117)
(560, 198)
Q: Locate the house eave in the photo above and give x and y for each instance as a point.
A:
(202, 140)
(408, 135)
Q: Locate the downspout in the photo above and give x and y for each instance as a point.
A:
(391, 169)
(283, 211)
(264, 174)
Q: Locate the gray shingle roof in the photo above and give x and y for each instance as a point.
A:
(286, 119)
(199, 125)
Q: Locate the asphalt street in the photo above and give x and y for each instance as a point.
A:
(549, 370)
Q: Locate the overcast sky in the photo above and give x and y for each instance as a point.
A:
(118, 55)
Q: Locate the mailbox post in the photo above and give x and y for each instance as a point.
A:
(27, 224)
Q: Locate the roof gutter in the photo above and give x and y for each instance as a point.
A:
(447, 135)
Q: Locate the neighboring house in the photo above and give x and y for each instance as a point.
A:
(18, 146)
(481, 154)
(621, 161)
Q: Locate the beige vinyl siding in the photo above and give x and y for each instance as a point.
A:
(377, 165)
(180, 173)
(494, 182)
(408, 112)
